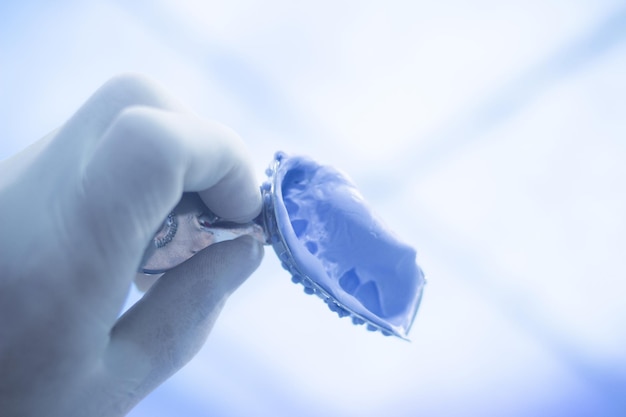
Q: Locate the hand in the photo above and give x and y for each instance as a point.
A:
(78, 208)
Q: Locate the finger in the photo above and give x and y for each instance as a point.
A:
(140, 169)
(138, 173)
(168, 326)
(81, 133)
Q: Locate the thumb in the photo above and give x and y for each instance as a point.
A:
(167, 327)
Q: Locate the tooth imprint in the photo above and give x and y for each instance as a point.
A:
(172, 227)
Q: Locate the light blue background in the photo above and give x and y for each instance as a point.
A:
(491, 135)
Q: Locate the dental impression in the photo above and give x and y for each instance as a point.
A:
(326, 237)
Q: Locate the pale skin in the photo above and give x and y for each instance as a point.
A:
(77, 210)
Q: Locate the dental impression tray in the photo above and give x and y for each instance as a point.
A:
(325, 235)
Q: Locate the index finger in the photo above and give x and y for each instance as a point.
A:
(137, 174)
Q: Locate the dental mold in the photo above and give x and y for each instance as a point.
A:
(332, 243)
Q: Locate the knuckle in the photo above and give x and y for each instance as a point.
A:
(129, 85)
(148, 140)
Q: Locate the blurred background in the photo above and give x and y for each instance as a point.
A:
(490, 135)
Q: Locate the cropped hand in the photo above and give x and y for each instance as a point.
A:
(78, 209)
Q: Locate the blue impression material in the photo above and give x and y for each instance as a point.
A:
(331, 241)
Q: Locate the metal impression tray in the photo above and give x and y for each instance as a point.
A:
(325, 235)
